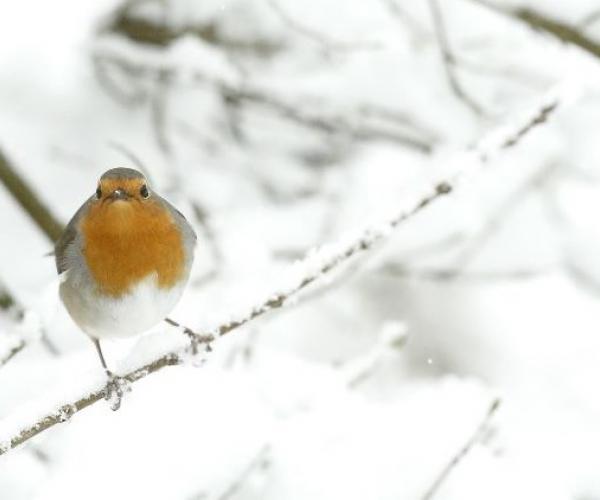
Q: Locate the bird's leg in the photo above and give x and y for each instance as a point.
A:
(101, 356)
(116, 387)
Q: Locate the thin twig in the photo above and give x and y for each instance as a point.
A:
(455, 460)
(407, 20)
(327, 260)
(385, 113)
(203, 218)
(132, 157)
(448, 58)
(158, 111)
(260, 461)
(13, 351)
(459, 274)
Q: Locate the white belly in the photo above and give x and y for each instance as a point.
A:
(101, 316)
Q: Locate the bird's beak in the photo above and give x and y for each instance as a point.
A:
(118, 194)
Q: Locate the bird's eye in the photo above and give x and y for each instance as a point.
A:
(99, 192)
(144, 191)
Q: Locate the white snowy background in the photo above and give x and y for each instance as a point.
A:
(278, 126)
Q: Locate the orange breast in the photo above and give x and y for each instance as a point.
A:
(125, 241)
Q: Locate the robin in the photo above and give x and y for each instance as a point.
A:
(123, 261)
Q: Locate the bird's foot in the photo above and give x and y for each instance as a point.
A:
(116, 388)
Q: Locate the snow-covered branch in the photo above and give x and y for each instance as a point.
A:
(24, 425)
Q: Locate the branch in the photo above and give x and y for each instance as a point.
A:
(311, 270)
(260, 462)
(29, 200)
(153, 32)
(406, 19)
(448, 274)
(9, 304)
(542, 22)
(159, 112)
(448, 58)
(477, 435)
(13, 351)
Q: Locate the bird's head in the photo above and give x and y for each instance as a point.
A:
(122, 185)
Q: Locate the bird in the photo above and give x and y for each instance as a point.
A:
(123, 262)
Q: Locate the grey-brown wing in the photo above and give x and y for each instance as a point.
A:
(67, 238)
(185, 226)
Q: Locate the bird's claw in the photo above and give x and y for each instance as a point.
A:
(116, 388)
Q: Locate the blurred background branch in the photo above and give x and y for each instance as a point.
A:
(365, 123)
(542, 22)
(478, 435)
(448, 58)
(28, 199)
(9, 304)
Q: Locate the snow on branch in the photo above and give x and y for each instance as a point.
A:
(28, 422)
